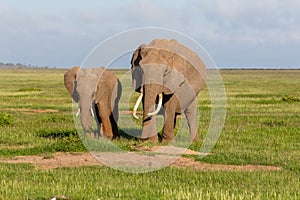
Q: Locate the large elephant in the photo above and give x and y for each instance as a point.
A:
(168, 75)
(97, 91)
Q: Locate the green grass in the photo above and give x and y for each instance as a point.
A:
(28, 89)
(262, 127)
(168, 183)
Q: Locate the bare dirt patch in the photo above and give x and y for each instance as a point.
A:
(171, 150)
(190, 163)
(58, 160)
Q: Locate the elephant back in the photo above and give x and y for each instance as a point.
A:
(174, 55)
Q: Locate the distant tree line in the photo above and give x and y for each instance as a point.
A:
(20, 66)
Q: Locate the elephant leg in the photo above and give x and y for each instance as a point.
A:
(191, 116)
(105, 119)
(107, 129)
(114, 117)
(114, 126)
(169, 125)
(98, 121)
(175, 120)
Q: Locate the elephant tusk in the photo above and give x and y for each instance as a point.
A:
(138, 101)
(92, 111)
(160, 96)
(78, 112)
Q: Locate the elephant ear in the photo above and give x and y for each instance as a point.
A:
(136, 57)
(69, 80)
(135, 69)
(172, 80)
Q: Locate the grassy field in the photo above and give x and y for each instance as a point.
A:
(262, 128)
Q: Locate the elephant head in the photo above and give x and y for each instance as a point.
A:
(82, 84)
(160, 70)
(157, 79)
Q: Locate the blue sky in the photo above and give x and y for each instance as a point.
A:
(235, 33)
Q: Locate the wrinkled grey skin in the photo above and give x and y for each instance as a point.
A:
(177, 99)
(178, 82)
(98, 90)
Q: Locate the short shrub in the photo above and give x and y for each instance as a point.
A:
(29, 89)
(57, 118)
(56, 133)
(274, 123)
(5, 119)
(291, 98)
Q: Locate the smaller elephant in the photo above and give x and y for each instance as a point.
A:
(98, 92)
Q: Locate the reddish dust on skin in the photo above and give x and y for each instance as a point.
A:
(59, 159)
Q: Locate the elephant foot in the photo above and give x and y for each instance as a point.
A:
(115, 136)
(194, 138)
(153, 139)
(166, 140)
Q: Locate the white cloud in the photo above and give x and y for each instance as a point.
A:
(48, 35)
(253, 21)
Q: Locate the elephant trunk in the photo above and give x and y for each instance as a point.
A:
(150, 94)
(86, 113)
(160, 98)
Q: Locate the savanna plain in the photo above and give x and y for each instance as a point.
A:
(262, 128)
